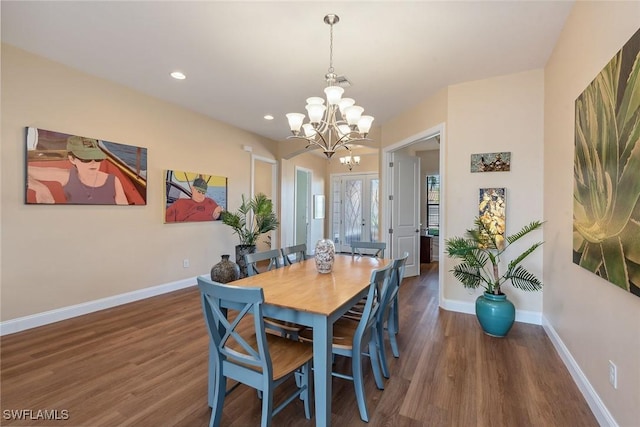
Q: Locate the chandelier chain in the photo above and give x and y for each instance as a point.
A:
(331, 48)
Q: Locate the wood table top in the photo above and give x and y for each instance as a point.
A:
(302, 288)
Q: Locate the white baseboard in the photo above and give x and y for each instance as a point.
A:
(32, 321)
(598, 408)
(524, 316)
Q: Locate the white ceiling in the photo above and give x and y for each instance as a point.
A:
(247, 59)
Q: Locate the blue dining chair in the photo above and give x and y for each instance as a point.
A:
(293, 254)
(273, 256)
(285, 329)
(387, 318)
(369, 247)
(358, 339)
(241, 350)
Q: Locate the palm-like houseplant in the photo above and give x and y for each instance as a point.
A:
(253, 218)
(480, 252)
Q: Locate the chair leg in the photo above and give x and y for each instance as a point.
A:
(306, 394)
(375, 364)
(394, 343)
(380, 344)
(219, 392)
(356, 367)
(267, 405)
(393, 328)
(394, 309)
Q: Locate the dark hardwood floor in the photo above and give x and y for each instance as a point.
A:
(145, 364)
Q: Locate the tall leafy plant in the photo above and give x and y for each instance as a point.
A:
(480, 252)
(253, 218)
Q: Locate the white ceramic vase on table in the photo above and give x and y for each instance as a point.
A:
(325, 255)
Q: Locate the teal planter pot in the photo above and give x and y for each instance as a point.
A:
(495, 313)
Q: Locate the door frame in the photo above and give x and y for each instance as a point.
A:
(309, 205)
(386, 186)
(275, 237)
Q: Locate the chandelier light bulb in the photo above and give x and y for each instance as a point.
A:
(343, 130)
(364, 124)
(353, 114)
(295, 121)
(309, 131)
(344, 104)
(334, 93)
(315, 111)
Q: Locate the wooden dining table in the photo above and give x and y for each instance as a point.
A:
(298, 293)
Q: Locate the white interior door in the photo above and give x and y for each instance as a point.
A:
(405, 210)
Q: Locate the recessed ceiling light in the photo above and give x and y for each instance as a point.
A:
(268, 117)
(178, 75)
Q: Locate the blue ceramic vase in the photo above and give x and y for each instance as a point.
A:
(495, 313)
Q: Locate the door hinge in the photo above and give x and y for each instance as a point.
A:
(390, 196)
(391, 231)
(390, 164)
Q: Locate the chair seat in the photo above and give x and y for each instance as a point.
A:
(287, 329)
(286, 355)
(343, 332)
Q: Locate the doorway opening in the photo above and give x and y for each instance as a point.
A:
(406, 206)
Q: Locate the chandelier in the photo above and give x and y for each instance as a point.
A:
(324, 129)
(350, 161)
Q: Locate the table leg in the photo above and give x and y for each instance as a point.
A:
(322, 365)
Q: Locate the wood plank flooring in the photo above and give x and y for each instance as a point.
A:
(145, 364)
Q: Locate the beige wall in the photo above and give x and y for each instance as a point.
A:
(596, 320)
(486, 116)
(499, 114)
(427, 114)
(58, 256)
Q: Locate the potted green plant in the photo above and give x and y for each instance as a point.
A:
(480, 252)
(253, 218)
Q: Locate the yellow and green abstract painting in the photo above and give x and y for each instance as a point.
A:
(606, 204)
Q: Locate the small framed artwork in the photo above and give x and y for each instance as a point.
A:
(318, 206)
(64, 169)
(492, 211)
(491, 162)
(193, 196)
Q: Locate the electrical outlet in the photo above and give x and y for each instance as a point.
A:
(613, 374)
(185, 263)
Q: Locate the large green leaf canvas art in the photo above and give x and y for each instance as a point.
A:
(606, 205)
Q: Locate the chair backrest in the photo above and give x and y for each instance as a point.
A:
(233, 353)
(272, 255)
(293, 254)
(396, 275)
(377, 286)
(379, 247)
